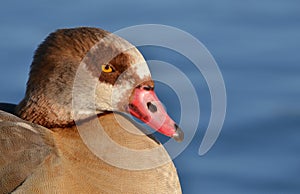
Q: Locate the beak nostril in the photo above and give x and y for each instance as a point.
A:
(151, 107)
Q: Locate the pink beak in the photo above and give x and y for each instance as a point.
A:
(145, 106)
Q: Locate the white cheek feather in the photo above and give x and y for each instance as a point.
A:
(142, 69)
(121, 92)
(103, 94)
(140, 66)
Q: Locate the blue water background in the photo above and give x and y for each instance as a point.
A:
(256, 45)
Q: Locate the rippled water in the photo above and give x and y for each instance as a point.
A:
(256, 45)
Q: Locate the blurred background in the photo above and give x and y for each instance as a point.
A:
(256, 45)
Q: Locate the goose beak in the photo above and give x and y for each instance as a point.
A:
(145, 106)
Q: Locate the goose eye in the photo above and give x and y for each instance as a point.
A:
(107, 68)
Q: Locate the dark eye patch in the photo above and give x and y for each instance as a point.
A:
(120, 63)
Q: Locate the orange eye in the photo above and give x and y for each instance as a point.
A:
(107, 68)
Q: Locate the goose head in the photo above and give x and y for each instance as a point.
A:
(88, 71)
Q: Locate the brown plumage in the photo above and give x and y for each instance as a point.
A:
(43, 152)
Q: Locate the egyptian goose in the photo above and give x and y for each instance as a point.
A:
(71, 133)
